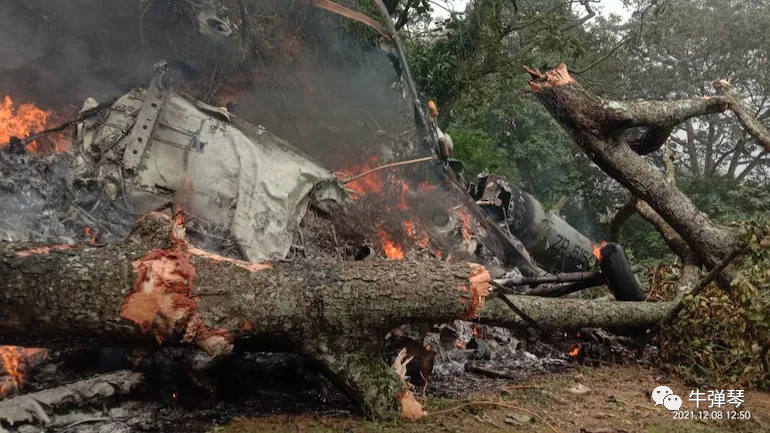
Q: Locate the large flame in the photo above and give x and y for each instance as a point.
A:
(396, 195)
(393, 191)
(23, 120)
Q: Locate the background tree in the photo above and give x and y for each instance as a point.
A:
(469, 63)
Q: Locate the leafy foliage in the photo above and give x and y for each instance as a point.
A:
(480, 153)
(722, 336)
(470, 65)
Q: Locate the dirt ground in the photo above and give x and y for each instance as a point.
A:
(593, 400)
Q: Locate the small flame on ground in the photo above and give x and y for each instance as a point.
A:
(575, 350)
(477, 331)
(90, 234)
(179, 216)
(10, 364)
(598, 250)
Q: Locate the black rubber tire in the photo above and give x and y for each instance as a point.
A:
(616, 268)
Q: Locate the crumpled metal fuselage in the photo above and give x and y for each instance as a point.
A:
(162, 146)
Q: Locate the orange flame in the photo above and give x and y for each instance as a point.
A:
(179, 216)
(597, 250)
(90, 234)
(24, 120)
(575, 350)
(14, 362)
(477, 331)
(466, 228)
(392, 251)
(369, 184)
(421, 240)
(10, 357)
(395, 192)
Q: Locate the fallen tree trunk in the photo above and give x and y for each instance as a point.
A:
(155, 287)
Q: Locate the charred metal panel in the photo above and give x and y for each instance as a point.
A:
(555, 245)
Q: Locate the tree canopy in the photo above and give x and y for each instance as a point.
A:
(470, 63)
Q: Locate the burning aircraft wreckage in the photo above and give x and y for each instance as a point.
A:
(158, 248)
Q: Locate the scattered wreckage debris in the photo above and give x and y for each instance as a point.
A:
(40, 406)
(162, 302)
(275, 234)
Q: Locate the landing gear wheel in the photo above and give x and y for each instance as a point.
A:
(617, 272)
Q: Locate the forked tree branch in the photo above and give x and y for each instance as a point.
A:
(597, 127)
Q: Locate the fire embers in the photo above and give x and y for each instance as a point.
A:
(597, 250)
(408, 210)
(618, 273)
(574, 350)
(15, 362)
(19, 121)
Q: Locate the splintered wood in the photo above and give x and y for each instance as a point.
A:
(479, 290)
(558, 76)
(161, 302)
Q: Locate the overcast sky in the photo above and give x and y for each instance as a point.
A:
(605, 7)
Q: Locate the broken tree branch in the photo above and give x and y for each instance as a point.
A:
(624, 212)
(670, 237)
(597, 127)
(749, 121)
(558, 313)
(472, 367)
(155, 287)
(661, 114)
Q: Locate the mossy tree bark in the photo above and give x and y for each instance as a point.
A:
(156, 288)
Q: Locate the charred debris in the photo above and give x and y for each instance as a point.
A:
(299, 154)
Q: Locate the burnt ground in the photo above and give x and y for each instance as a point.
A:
(616, 400)
(604, 389)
